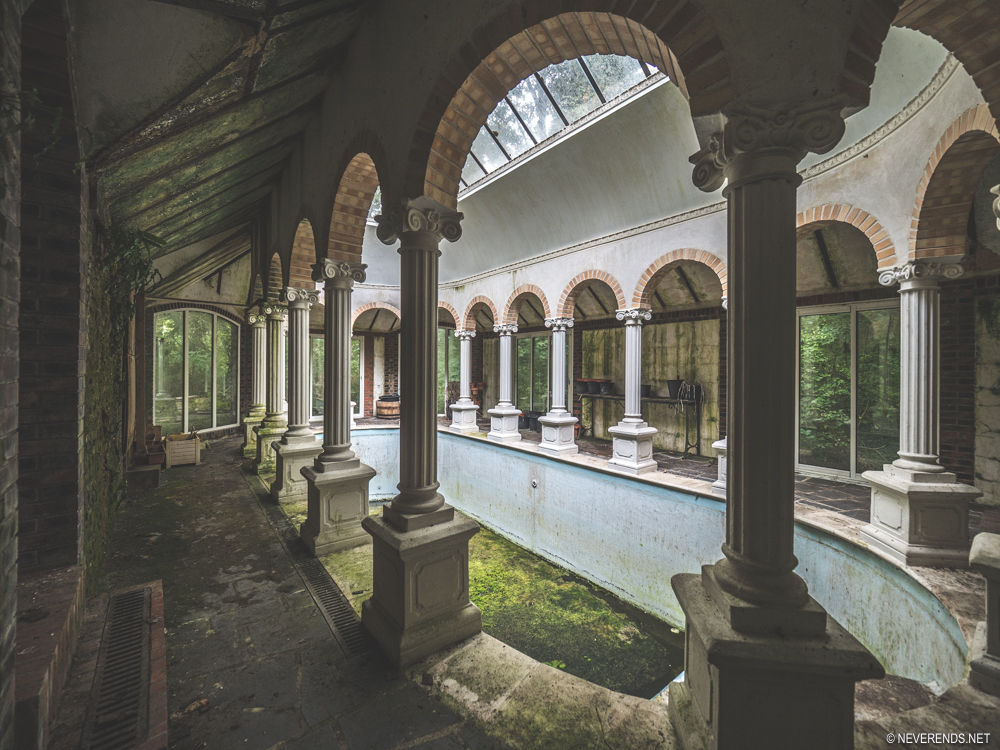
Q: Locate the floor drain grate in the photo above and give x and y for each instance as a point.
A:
(118, 714)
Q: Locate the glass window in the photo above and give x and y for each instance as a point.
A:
(509, 131)
(878, 388)
(471, 171)
(195, 371)
(442, 370)
(318, 371)
(523, 374)
(825, 390)
(535, 108)
(570, 88)
(615, 74)
(540, 374)
(376, 207)
(357, 375)
(487, 151)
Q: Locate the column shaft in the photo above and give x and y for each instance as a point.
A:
(275, 365)
(919, 393)
(299, 302)
(633, 370)
(259, 370)
(557, 354)
(465, 365)
(506, 344)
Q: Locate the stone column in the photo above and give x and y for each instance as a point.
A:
(503, 417)
(258, 383)
(558, 424)
(632, 444)
(463, 412)
(274, 424)
(297, 447)
(984, 664)
(920, 513)
(337, 482)
(765, 664)
(420, 602)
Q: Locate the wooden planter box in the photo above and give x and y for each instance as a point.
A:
(181, 449)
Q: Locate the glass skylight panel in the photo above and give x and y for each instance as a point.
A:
(487, 151)
(615, 74)
(471, 171)
(509, 131)
(571, 89)
(376, 207)
(535, 108)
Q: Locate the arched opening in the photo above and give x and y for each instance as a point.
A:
(303, 257)
(273, 280)
(352, 207)
(374, 356)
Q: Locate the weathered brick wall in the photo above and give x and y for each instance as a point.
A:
(392, 363)
(368, 358)
(10, 83)
(53, 335)
(958, 377)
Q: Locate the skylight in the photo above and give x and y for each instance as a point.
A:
(546, 102)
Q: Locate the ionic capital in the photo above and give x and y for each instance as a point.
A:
(339, 273)
(273, 311)
(996, 203)
(256, 320)
(635, 316)
(725, 302)
(466, 334)
(505, 329)
(297, 297)
(559, 324)
(421, 214)
(919, 269)
(789, 132)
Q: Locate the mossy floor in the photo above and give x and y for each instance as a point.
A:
(545, 612)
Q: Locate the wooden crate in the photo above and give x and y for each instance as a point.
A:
(182, 450)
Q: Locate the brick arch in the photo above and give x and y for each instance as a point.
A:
(355, 191)
(303, 256)
(811, 219)
(469, 321)
(451, 311)
(947, 188)
(372, 306)
(661, 266)
(510, 311)
(273, 280)
(670, 35)
(577, 286)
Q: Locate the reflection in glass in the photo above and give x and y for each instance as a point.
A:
(878, 388)
(442, 369)
(168, 374)
(523, 375)
(615, 74)
(535, 108)
(540, 374)
(571, 89)
(318, 370)
(825, 390)
(509, 131)
(227, 372)
(356, 374)
(487, 151)
(199, 325)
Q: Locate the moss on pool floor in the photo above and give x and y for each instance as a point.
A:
(545, 612)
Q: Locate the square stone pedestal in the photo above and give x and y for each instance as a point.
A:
(919, 518)
(557, 435)
(421, 601)
(266, 436)
(338, 503)
(250, 424)
(503, 424)
(721, 451)
(763, 691)
(291, 456)
(632, 448)
(984, 665)
(463, 417)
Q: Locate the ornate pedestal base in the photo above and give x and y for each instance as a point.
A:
(984, 669)
(745, 690)
(290, 458)
(719, 485)
(632, 448)
(463, 417)
(338, 503)
(264, 462)
(503, 424)
(421, 600)
(557, 434)
(250, 422)
(919, 518)
(984, 666)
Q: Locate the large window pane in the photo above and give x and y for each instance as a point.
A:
(535, 108)
(614, 74)
(825, 390)
(356, 375)
(318, 347)
(442, 369)
(540, 375)
(168, 371)
(878, 388)
(487, 151)
(227, 370)
(471, 171)
(523, 375)
(509, 131)
(199, 325)
(571, 89)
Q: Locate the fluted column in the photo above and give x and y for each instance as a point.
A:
(558, 425)
(919, 512)
(463, 412)
(274, 425)
(632, 445)
(753, 635)
(258, 382)
(503, 417)
(420, 601)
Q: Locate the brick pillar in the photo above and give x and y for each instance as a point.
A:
(368, 344)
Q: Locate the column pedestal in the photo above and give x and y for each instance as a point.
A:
(558, 434)
(338, 503)
(558, 425)
(250, 424)
(463, 412)
(503, 417)
(632, 438)
(984, 666)
(463, 417)
(719, 485)
(258, 328)
(274, 424)
(290, 458)
(421, 601)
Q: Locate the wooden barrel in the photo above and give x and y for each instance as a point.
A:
(387, 409)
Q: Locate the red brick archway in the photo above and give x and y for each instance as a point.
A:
(811, 219)
(517, 299)
(469, 321)
(651, 277)
(355, 191)
(579, 284)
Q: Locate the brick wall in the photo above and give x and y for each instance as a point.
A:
(368, 342)
(392, 363)
(10, 67)
(958, 377)
(53, 337)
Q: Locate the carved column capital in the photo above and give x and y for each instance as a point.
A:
(465, 334)
(996, 203)
(725, 302)
(559, 324)
(255, 320)
(339, 273)
(274, 311)
(505, 329)
(786, 131)
(635, 316)
(421, 214)
(919, 269)
(297, 297)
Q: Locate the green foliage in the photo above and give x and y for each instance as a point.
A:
(127, 267)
